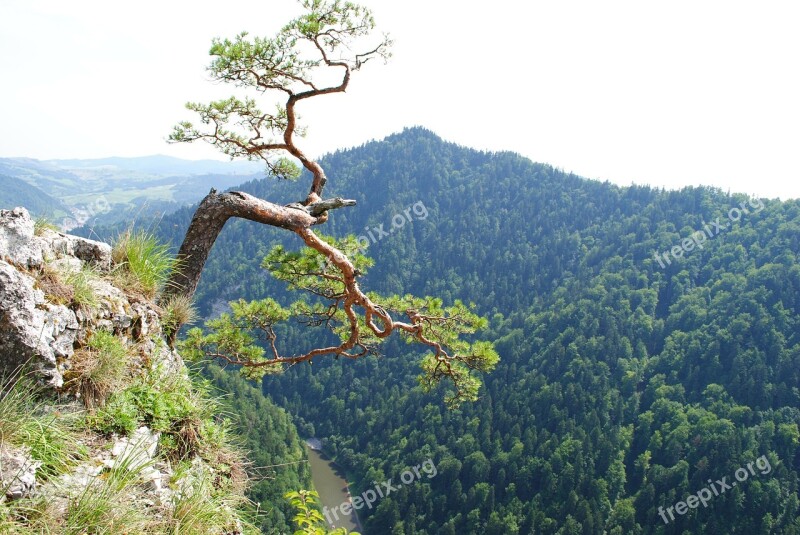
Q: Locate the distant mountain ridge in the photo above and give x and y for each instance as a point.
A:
(72, 192)
(17, 192)
(163, 165)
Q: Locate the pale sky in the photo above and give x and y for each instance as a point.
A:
(669, 93)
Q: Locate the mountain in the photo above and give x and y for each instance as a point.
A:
(15, 192)
(109, 190)
(650, 345)
(162, 165)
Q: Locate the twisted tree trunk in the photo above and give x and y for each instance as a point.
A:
(211, 216)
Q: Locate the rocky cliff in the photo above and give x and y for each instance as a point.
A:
(101, 428)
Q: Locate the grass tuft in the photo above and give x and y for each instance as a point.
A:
(105, 505)
(98, 369)
(178, 311)
(41, 224)
(199, 508)
(48, 433)
(83, 293)
(143, 263)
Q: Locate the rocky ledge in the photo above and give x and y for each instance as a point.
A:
(146, 442)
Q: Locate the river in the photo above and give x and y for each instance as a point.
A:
(331, 485)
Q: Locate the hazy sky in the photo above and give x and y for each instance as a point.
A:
(667, 93)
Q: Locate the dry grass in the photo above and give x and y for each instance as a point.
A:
(98, 369)
(56, 291)
(178, 311)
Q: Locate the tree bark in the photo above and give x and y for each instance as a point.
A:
(211, 216)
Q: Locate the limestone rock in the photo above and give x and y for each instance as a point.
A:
(32, 331)
(17, 473)
(17, 241)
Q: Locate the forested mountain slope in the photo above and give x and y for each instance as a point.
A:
(639, 366)
(15, 192)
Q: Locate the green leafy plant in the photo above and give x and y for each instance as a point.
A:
(308, 518)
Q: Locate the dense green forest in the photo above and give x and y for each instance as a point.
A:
(276, 454)
(641, 362)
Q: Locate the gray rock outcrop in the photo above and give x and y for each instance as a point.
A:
(42, 335)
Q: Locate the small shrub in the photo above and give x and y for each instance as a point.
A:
(98, 369)
(178, 408)
(120, 414)
(143, 264)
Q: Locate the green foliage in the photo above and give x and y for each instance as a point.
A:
(143, 264)
(239, 337)
(230, 335)
(622, 386)
(182, 410)
(290, 65)
(308, 518)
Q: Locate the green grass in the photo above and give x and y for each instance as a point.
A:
(30, 516)
(41, 224)
(143, 263)
(84, 295)
(199, 508)
(104, 506)
(49, 434)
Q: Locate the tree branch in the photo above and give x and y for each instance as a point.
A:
(211, 216)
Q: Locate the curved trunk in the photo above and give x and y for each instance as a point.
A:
(212, 214)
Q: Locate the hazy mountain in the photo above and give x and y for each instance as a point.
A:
(16, 192)
(161, 165)
(108, 190)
